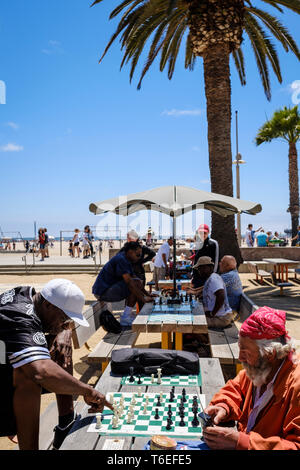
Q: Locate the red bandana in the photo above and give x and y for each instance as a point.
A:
(264, 323)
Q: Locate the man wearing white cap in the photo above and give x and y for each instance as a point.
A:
(32, 365)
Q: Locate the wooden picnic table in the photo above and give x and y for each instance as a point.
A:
(177, 325)
(281, 267)
(80, 439)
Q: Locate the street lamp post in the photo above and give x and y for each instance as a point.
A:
(238, 161)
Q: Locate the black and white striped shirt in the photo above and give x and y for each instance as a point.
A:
(21, 330)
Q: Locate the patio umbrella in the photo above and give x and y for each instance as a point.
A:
(174, 201)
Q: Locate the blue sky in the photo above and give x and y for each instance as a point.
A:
(73, 131)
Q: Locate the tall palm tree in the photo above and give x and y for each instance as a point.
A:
(213, 30)
(285, 125)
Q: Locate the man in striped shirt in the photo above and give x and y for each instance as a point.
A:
(34, 362)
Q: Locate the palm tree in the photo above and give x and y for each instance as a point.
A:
(285, 125)
(213, 30)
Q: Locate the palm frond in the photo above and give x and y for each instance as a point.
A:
(293, 5)
(273, 4)
(277, 29)
(238, 57)
(259, 53)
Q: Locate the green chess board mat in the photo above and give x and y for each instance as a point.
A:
(172, 308)
(144, 425)
(170, 318)
(166, 380)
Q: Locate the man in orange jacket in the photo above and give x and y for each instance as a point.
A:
(264, 398)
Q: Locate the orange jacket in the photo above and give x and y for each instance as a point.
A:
(277, 426)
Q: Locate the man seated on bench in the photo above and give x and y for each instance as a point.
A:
(264, 397)
(232, 281)
(35, 364)
(117, 281)
(215, 302)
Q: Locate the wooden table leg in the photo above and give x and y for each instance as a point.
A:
(104, 365)
(165, 340)
(287, 273)
(178, 341)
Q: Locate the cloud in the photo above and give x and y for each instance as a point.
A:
(13, 125)
(294, 89)
(54, 47)
(11, 148)
(182, 112)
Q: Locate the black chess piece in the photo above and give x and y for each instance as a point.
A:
(171, 399)
(182, 423)
(195, 422)
(139, 379)
(156, 416)
(158, 401)
(183, 394)
(131, 378)
(169, 424)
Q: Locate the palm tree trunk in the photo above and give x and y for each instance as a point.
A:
(218, 109)
(294, 188)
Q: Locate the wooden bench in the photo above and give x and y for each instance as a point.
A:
(101, 354)
(224, 343)
(259, 273)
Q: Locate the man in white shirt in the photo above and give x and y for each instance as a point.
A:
(161, 262)
(215, 302)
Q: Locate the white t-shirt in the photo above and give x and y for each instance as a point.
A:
(164, 249)
(212, 285)
(85, 239)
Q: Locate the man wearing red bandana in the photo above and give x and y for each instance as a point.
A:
(264, 398)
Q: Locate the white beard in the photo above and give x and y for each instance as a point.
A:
(258, 373)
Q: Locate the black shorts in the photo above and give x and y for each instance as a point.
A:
(76, 244)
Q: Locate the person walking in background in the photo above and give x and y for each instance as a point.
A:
(250, 234)
(90, 238)
(46, 243)
(70, 250)
(75, 242)
(41, 241)
(85, 243)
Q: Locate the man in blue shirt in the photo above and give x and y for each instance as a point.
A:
(232, 281)
(117, 281)
(262, 238)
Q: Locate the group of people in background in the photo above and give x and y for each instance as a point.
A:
(264, 238)
(86, 238)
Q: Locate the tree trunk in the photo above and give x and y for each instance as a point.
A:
(218, 109)
(294, 188)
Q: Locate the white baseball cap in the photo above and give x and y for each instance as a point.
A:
(65, 295)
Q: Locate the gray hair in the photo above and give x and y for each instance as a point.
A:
(282, 346)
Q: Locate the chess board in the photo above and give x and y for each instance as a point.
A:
(172, 308)
(170, 318)
(166, 380)
(144, 425)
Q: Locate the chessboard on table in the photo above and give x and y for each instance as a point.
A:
(172, 308)
(170, 318)
(144, 425)
(166, 380)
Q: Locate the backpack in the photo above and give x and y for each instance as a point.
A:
(146, 361)
(109, 323)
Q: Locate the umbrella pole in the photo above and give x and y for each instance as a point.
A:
(174, 256)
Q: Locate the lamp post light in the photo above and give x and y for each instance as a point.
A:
(238, 161)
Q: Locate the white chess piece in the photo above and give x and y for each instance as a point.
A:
(133, 401)
(152, 378)
(115, 422)
(139, 391)
(98, 421)
(159, 376)
(161, 397)
(145, 409)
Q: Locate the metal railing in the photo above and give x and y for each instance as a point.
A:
(28, 266)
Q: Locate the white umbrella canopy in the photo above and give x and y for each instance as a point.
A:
(174, 200)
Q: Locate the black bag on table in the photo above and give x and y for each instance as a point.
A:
(146, 361)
